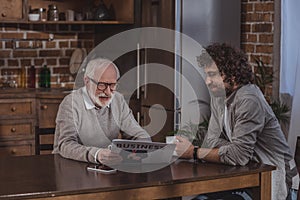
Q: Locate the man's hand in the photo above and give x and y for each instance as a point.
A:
(184, 148)
(107, 157)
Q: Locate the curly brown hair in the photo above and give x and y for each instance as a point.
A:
(232, 63)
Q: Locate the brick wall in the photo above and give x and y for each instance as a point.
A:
(39, 44)
(257, 29)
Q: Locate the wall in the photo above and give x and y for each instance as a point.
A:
(257, 30)
(29, 44)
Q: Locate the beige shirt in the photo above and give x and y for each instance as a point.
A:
(82, 129)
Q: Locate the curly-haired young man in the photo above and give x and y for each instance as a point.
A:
(242, 126)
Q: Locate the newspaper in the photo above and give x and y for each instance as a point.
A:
(143, 151)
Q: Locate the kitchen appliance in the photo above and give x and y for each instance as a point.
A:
(205, 21)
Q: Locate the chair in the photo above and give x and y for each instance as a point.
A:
(297, 153)
(44, 139)
(297, 158)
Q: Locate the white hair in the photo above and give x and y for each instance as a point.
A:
(99, 63)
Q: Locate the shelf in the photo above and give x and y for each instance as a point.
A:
(66, 22)
(123, 11)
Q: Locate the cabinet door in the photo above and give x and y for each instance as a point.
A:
(17, 108)
(158, 13)
(16, 128)
(17, 148)
(47, 109)
(157, 122)
(11, 10)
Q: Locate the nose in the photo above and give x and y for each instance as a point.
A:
(208, 80)
(107, 91)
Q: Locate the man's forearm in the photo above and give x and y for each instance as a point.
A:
(210, 155)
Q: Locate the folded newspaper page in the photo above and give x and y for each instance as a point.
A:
(143, 151)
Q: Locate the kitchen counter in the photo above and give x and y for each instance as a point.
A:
(23, 109)
(33, 92)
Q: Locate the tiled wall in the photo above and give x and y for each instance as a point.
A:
(39, 44)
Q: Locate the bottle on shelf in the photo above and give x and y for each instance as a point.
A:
(23, 77)
(53, 13)
(45, 77)
(31, 77)
(43, 14)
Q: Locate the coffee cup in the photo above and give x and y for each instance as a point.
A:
(69, 15)
(172, 140)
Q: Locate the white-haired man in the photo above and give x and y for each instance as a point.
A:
(89, 118)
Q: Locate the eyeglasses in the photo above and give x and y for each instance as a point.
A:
(103, 86)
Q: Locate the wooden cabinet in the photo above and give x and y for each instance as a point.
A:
(158, 13)
(21, 111)
(17, 121)
(21, 147)
(47, 110)
(12, 10)
(148, 13)
(17, 108)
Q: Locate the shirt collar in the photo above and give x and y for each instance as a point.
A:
(231, 97)
(87, 100)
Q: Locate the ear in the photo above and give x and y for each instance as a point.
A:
(86, 80)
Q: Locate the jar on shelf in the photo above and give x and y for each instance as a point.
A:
(43, 14)
(53, 13)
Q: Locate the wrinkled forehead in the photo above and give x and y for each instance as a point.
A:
(107, 71)
(99, 67)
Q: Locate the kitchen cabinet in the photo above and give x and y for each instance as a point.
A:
(123, 11)
(47, 106)
(12, 10)
(148, 13)
(161, 14)
(47, 110)
(21, 110)
(17, 121)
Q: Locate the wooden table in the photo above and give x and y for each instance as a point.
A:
(51, 176)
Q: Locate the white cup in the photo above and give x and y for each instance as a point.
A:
(78, 16)
(171, 140)
(69, 15)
